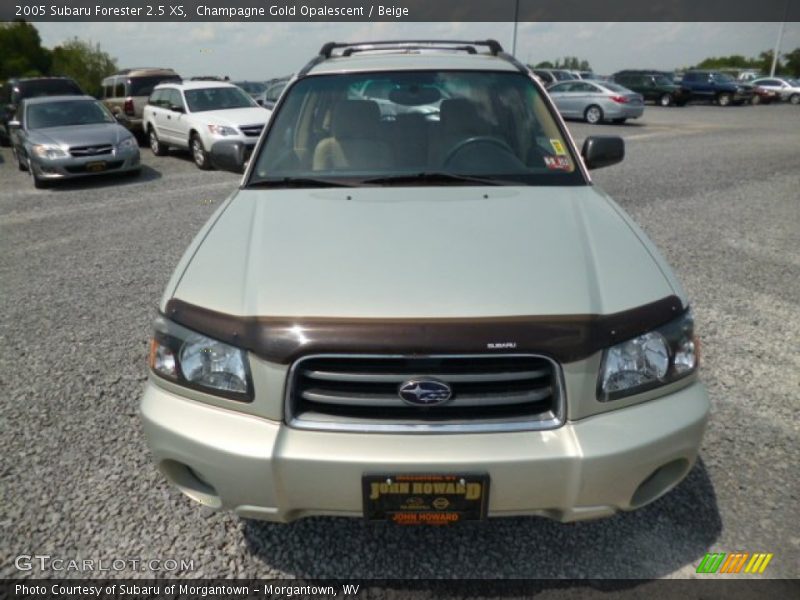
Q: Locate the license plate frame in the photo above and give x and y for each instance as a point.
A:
(96, 166)
(425, 498)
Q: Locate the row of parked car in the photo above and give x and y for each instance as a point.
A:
(622, 95)
(57, 132)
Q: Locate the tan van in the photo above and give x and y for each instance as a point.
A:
(125, 93)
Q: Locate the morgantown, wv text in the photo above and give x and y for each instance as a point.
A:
(194, 590)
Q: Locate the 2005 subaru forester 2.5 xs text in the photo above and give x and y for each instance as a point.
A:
(418, 308)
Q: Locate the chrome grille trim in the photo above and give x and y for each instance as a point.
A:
(319, 408)
(251, 130)
(452, 378)
(79, 151)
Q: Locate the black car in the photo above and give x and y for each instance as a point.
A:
(16, 90)
(655, 86)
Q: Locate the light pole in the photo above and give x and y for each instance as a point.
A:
(777, 51)
(516, 22)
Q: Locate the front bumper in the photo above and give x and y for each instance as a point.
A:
(249, 142)
(66, 168)
(263, 469)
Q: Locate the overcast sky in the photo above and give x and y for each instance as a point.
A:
(259, 51)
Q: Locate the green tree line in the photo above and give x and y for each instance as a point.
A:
(788, 63)
(568, 62)
(22, 55)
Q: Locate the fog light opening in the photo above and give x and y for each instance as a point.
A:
(659, 482)
(191, 483)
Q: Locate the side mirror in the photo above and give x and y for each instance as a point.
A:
(177, 108)
(14, 124)
(602, 151)
(229, 156)
(260, 101)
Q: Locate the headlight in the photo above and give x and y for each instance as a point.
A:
(221, 130)
(197, 361)
(650, 360)
(49, 151)
(127, 144)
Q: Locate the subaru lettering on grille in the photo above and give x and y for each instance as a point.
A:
(424, 392)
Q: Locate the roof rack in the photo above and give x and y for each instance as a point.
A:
(348, 49)
(131, 69)
(458, 45)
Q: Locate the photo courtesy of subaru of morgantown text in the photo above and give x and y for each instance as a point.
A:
(289, 355)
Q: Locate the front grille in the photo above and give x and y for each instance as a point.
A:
(80, 151)
(251, 130)
(361, 393)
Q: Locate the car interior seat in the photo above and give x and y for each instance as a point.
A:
(354, 142)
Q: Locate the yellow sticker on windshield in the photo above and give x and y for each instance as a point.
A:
(558, 147)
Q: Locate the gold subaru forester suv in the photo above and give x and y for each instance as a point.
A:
(417, 307)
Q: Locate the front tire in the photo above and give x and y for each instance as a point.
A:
(724, 99)
(794, 99)
(665, 100)
(593, 114)
(22, 166)
(755, 100)
(199, 154)
(156, 146)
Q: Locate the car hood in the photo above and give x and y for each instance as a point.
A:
(80, 135)
(430, 252)
(237, 116)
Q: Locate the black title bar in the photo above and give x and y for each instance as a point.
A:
(400, 10)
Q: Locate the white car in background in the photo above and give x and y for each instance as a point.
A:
(789, 89)
(196, 114)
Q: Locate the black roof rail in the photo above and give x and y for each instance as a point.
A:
(354, 49)
(462, 45)
(495, 49)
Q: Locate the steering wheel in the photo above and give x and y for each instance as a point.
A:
(485, 139)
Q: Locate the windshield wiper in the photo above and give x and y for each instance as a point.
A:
(437, 177)
(301, 182)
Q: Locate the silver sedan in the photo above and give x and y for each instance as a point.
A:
(789, 89)
(596, 101)
(60, 137)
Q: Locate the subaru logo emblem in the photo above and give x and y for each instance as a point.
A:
(424, 392)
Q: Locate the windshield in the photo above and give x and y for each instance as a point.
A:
(67, 112)
(564, 76)
(48, 87)
(251, 87)
(143, 86)
(217, 98)
(723, 77)
(274, 91)
(434, 127)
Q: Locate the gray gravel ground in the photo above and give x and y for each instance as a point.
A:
(82, 267)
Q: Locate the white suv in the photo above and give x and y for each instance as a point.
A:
(196, 114)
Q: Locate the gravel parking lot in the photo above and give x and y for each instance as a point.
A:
(82, 267)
